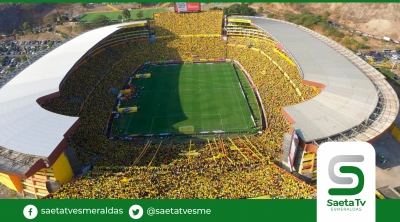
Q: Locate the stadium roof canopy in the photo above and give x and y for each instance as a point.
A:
(349, 96)
(30, 134)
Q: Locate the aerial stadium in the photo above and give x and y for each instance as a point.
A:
(187, 105)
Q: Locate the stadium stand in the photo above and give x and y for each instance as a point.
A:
(233, 167)
(214, 158)
(171, 23)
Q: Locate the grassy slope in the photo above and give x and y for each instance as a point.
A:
(114, 15)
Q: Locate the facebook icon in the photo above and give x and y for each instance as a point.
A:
(30, 211)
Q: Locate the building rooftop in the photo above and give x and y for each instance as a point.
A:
(25, 127)
(349, 96)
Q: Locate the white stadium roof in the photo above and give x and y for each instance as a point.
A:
(26, 127)
(349, 96)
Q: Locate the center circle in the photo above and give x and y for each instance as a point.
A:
(188, 90)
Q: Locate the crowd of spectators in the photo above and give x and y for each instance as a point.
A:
(275, 89)
(62, 105)
(174, 173)
(241, 167)
(211, 181)
(175, 48)
(171, 23)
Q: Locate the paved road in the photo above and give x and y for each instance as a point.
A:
(388, 173)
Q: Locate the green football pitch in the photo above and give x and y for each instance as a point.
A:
(192, 98)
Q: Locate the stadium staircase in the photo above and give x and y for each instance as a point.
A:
(37, 185)
(309, 167)
(387, 192)
(244, 150)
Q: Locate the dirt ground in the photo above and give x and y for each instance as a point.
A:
(40, 36)
(70, 28)
(7, 193)
(378, 19)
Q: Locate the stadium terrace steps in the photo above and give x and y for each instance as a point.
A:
(36, 184)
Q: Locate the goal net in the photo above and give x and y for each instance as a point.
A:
(186, 129)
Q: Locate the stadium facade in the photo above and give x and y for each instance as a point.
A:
(356, 103)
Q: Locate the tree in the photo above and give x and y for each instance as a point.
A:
(119, 17)
(140, 14)
(63, 19)
(126, 13)
(239, 9)
(50, 44)
(25, 27)
(100, 20)
(10, 69)
(326, 14)
(216, 8)
(260, 10)
(84, 5)
(15, 32)
(23, 58)
(17, 59)
(361, 45)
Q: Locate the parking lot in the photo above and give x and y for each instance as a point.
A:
(14, 53)
(391, 56)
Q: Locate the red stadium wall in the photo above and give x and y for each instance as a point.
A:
(47, 97)
(380, 135)
(316, 84)
(286, 115)
(311, 148)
